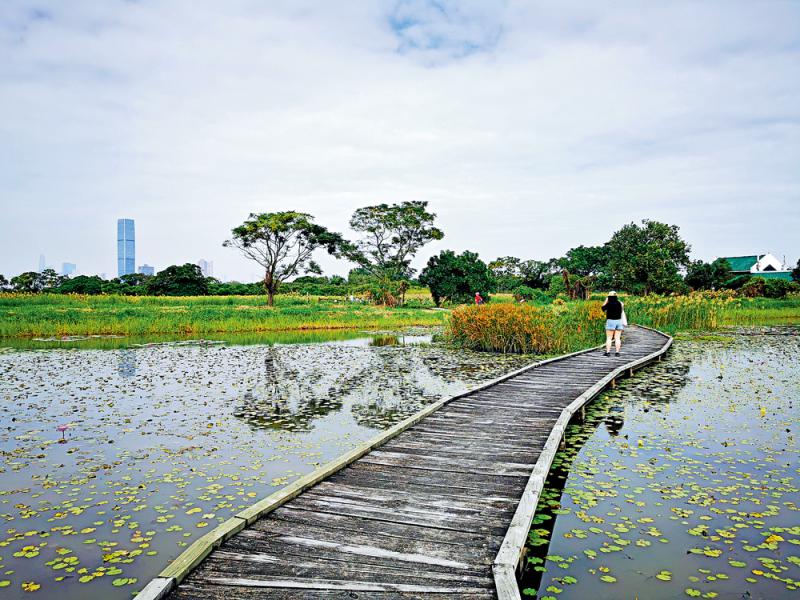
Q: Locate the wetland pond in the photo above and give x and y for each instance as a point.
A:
(682, 482)
(118, 453)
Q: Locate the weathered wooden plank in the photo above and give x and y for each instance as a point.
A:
(216, 591)
(254, 565)
(370, 526)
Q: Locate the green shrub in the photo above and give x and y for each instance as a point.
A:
(777, 288)
(529, 294)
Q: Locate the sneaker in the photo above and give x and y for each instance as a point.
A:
(606, 353)
(616, 354)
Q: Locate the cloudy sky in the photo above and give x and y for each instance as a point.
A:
(529, 127)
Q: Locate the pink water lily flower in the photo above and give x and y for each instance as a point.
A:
(62, 428)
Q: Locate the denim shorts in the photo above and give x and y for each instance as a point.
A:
(613, 324)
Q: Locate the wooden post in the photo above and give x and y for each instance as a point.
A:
(613, 383)
(630, 372)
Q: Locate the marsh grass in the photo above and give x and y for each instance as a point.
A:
(570, 326)
(46, 315)
(526, 329)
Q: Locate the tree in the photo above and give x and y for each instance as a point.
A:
(82, 284)
(456, 278)
(283, 243)
(512, 272)
(390, 237)
(184, 280)
(3, 283)
(708, 276)
(589, 263)
(30, 281)
(646, 258)
(50, 279)
(796, 272)
(506, 272)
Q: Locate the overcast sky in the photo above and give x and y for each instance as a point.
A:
(529, 127)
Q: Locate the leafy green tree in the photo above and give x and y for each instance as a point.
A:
(506, 272)
(29, 281)
(82, 284)
(4, 283)
(585, 260)
(390, 237)
(183, 280)
(456, 278)
(50, 279)
(646, 258)
(708, 276)
(283, 244)
(796, 272)
(512, 272)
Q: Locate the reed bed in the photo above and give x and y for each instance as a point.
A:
(45, 315)
(570, 326)
(526, 329)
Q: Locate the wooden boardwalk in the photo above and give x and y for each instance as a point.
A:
(425, 514)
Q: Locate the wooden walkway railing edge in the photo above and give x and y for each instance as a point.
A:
(508, 557)
(160, 586)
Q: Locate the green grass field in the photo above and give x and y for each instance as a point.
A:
(47, 315)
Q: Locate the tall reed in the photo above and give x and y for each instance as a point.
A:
(526, 329)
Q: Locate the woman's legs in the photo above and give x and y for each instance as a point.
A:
(617, 340)
(609, 337)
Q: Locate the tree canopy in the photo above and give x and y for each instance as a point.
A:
(183, 280)
(511, 272)
(647, 258)
(456, 278)
(283, 243)
(391, 234)
(708, 276)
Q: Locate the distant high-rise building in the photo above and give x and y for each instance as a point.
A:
(206, 267)
(146, 270)
(126, 247)
(41, 263)
(68, 269)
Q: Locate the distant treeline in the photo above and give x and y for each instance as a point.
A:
(640, 258)
(180, 280)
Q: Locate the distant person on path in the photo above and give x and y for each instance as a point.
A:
(478, 299)
(615, 312)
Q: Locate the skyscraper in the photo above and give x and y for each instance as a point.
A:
(126, 247)
(41, 263)
(147, 270)
(68, 269)
(206, 267)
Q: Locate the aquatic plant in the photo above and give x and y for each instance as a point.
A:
(528, 329)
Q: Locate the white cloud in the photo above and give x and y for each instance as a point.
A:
(530, 128)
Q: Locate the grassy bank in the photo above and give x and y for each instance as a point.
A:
(57, 315)
(570, 326)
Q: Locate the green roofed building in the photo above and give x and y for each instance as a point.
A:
(758, 265)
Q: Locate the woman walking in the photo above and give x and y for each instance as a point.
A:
(615, 313)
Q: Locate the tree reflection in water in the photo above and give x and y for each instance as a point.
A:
(381, 383)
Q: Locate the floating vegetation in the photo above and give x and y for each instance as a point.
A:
(113, 461)
(684, 481)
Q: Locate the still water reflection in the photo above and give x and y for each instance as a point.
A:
(162, 441)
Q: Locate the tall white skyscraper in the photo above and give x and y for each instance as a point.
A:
(206, 267)
(41, 263)
(126, 247)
